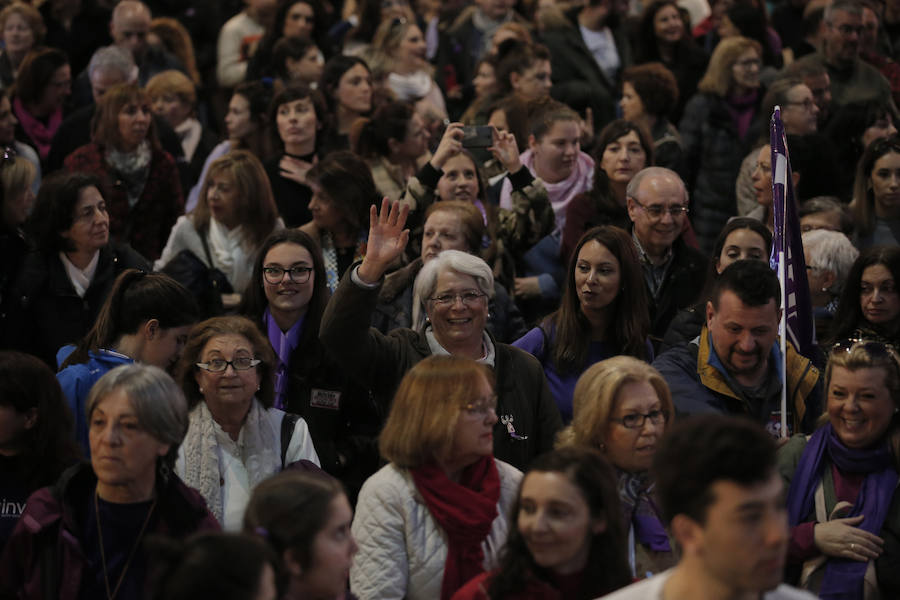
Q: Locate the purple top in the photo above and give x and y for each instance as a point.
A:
(284, 344)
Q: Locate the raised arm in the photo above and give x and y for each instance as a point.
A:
(387, 240)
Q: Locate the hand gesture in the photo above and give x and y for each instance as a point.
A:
(450, 146)
(843, 538)
(506, 150)
(387, 239)
(294, 169)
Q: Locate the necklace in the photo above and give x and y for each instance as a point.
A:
(137, 542)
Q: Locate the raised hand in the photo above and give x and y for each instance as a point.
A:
(450, 146)
(506, 150)
(843, 538)
(387, 239)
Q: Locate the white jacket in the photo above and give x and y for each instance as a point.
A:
(402, 550)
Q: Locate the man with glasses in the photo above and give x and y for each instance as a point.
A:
(733, 367)
(852, 80)
(657, 204)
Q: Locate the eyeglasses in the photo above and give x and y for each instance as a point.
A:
(275, 275)
(218, 365)
(656, 211)
(637, 420)
(807, 104)
(469, 298)
(482, 407)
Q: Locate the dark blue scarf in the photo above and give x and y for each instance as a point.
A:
(843, 578)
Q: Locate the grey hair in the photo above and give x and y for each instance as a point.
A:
(157, 402)
(634, 185)
(114, 58)
(448, 260)
(830, 251)
(826, 204)
(851, 7)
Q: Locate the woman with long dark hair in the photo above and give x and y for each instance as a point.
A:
(869, 307)
(36, 443)
(603, 313)
(568, 496)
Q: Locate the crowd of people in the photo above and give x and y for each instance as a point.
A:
(447, 300)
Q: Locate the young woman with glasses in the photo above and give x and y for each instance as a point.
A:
(286, 301)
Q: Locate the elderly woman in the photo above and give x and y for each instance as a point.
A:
(174, 98)
(622, 407)
(64, 281)
(869, 306)
(829, 257)
(825, 212)
(140, 179)
(841, 481)
(603, 313)
(568, 498)
(436, 515)
(286, 300)
(449, 225)
(43, 83)
(715, 131)
(343, 190)
(92, 523)
(21, 30)
(305, 519)
(453, 291)
(235, 439)
(235, 214)
(875, 210)
(36, 444)
(648, 93)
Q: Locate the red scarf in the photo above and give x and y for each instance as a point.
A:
(39, 133)
(465, 511)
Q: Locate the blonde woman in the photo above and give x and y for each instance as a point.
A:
(622, 407)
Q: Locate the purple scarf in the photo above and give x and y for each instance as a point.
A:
(843, 578)
(284, 344)
(638, 510)
(39, 133)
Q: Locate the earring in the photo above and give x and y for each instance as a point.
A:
(602, 447)
(258, 387)
(201, 390)
(824, 289)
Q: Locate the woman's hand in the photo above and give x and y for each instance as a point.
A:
(450, 146)
(387, 239)
(506, 150)
(843, 539)
(294, 169)
(527, 287)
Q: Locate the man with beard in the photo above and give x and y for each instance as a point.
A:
(733, 367)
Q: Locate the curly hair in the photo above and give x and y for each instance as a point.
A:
(655, 85)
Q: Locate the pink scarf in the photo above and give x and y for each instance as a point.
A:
(561, 192)
(39, 133)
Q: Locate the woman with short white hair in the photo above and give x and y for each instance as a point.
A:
(829, 256)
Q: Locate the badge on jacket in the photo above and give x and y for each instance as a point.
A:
(329, 399)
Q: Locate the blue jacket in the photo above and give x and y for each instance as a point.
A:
(77, 380)
(700, 383)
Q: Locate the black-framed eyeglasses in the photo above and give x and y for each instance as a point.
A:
(218, 365)
(469, 298)
(637, 420)
(275, 275)
(656, 211)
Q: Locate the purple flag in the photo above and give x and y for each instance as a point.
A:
(787, 247)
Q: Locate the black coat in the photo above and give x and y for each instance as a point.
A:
(47, 314)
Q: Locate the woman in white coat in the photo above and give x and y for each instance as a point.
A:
(235, 439)
(436, 516)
